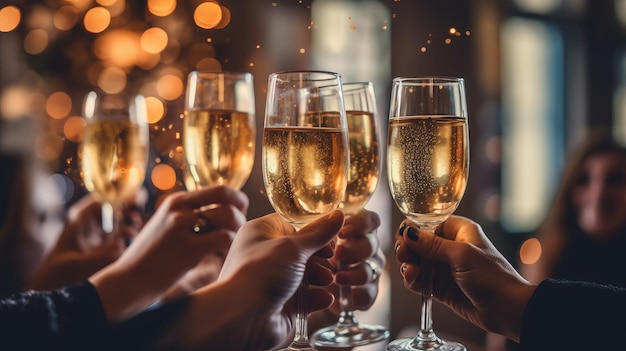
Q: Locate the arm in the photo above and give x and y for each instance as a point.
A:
(67, 319)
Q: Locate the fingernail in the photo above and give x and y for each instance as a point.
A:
(397, 246)
(402, 269)
(412, 234)
(402, 227)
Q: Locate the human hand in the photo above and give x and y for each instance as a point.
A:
(358, 259)
(471, 275)
(83, 247)
(167, 247)
(254, 293)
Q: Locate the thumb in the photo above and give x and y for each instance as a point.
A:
(320, 232)
(427, 245)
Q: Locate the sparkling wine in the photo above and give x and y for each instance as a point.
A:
(305, 170)
(364, 169)
(219, 146)
(113, 159)
(428, 165)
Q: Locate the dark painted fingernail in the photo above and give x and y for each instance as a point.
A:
(412, 234)
(402, 227)
(402, 269)
(397, 246)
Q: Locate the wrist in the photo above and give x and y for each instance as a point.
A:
(220, 315)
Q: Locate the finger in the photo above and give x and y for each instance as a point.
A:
(356, 249)
(319, 299)
(224, 217)
(319, 275)
(410, 273)
(361, 223)
(363, 297)
(404, 252)
(87, 206)
(320, 232)
(355, 275)
(205, 196)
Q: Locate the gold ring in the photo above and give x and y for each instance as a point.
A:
(201, 224)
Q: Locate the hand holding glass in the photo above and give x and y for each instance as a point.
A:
(114, 151)
(305, 156)
(360, 104)
(427, 164)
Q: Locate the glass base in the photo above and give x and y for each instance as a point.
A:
(412, 344)
(346, 336)
(299, 345)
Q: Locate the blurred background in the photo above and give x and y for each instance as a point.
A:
(539, 75)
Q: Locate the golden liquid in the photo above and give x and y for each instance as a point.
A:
(219, 147)
(113, 159)
(428, 164)
(364, 169)
(305, 171)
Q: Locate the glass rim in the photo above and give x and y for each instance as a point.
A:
(428, 80)
(229, 74)
(330, 75)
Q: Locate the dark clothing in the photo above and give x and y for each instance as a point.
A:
(591, 260)
(66, 319)
(73, 319)
(566, 315)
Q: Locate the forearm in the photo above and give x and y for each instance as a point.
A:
(220, 316)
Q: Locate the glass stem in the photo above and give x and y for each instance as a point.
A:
(110, 215)
(301, 337)
(426, 338)
(346, 314)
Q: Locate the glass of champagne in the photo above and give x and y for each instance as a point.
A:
(427, 164)
(114, 150)
(219, 129)
(305, 156)
(360, 104)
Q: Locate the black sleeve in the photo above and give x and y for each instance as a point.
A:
(566, 315)
(66, 319)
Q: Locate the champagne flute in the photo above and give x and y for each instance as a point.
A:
(305, 156)
(114, 151)
(360, 104)
(219, 129)
(427, 164)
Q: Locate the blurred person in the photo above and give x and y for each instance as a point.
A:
(584, 233)
(477, 282)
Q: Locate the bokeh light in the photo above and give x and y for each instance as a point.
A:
(163, 177)
(97, 19)
(207, 15)
(161, 8)
(58, 105)
(73, 128)
(118, 47)
(36, 41)
(156, 109)
(170, 87)
(112, 80)
(65, 18)
(154, 40)
(530, 251)
(10, 17)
